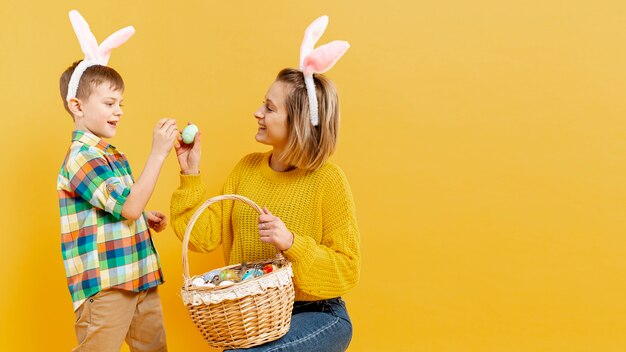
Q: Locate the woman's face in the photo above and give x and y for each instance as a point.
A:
(272, 117)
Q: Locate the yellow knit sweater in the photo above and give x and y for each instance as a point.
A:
(317, 207)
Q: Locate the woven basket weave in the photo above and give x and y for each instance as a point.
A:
(245, 314)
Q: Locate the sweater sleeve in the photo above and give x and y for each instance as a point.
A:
(206, 234)
(213, 227)
(330, 268)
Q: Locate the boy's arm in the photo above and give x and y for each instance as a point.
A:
(164, 135)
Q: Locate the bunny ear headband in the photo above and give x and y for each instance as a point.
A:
(94, 54)
(318, 60)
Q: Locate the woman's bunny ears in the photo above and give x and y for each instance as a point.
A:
(94, 54)
(318, 60)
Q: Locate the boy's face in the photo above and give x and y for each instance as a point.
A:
(101, 112)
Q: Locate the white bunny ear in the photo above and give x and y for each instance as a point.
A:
(94, 55)
(87, 41)
(323, 58)
(311, 35)
(113, 41)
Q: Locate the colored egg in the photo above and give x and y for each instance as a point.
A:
(198, 281)
(268, 268)
(215, 280)
(252, 273)
(209, 276)
(229, 274)
(189, 133)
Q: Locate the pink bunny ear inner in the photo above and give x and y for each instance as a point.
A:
(113, 41)
(87, 40)
(324, 57)
(312, 34)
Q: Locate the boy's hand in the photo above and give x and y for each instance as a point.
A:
(164, 135)
(156, 220)
(189, 155)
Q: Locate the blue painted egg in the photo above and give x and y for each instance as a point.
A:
(189, 133)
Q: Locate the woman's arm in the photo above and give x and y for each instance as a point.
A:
(332, 267)
(207, 231)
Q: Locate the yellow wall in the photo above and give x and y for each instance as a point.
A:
(485, 142)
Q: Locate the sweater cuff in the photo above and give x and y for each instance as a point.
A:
(298, 249)
(190, 181)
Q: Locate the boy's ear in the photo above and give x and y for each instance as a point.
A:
(75, 107)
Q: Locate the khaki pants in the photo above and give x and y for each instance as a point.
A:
(108, 318)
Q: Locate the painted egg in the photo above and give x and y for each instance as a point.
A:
(189, 133)
(198, 281)
(215, 280)
(209, 276)
(252, 273)
(229, 274)
(268, 268)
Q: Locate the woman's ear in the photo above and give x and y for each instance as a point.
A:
(75, 107)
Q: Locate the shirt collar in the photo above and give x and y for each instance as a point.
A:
(90, 139)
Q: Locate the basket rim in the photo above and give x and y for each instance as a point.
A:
(187, 283)
(201, 295)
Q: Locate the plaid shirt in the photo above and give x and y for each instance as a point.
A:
(100, 248)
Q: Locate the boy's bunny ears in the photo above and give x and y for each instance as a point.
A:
(318, 60)
(94, 54)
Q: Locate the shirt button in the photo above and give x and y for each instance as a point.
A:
(110, 188)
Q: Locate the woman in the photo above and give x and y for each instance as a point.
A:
(309, 211)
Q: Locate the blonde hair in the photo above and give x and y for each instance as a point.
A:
(308, 146)
(91, 78)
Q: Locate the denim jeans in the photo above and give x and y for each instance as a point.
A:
(317, 326)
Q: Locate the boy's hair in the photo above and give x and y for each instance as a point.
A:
(91, 78)
(308, 146)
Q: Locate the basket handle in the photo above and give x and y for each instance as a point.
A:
(197, 214)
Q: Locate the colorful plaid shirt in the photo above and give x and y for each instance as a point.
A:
(100, 248)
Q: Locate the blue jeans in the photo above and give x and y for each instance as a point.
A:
(316, 326)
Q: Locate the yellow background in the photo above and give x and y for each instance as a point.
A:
(484, 142)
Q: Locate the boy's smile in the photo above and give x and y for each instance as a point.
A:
(101, 112)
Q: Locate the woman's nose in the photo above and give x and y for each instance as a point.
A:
(259, 113)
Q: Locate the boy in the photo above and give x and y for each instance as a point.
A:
(111, 264)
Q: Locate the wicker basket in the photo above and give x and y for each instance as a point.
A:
(245, 314)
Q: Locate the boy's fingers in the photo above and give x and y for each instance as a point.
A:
(161, 122)
(150, 215)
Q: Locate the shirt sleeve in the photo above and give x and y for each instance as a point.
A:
(93, 179)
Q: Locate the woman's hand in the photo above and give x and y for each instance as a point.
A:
(273, 230)
(189, 155)
(156, 220)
